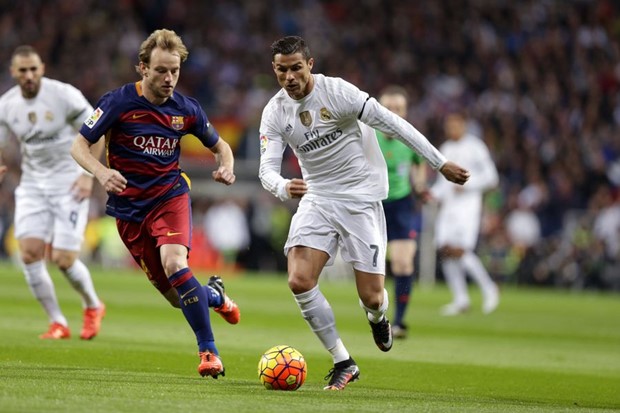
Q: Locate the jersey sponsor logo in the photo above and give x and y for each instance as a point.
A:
(177, 122)
(156, 145)
(325, 115)
(321, 142)
(93, 118)
(306, 118)
(32, 117)
(263, 144)
(37, 138)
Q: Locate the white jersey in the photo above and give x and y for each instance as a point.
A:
(331, 132)
(458, 220)
(45, 127)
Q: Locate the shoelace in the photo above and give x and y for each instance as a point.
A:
(330, 374)
(333, 379)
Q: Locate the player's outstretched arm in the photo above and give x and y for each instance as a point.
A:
(110, 179)
(226, 162)
(454, 173)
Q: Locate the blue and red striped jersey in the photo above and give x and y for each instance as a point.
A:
(143, 144)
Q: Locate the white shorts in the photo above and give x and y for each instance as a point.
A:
(57, 218)
(357, 228)
(457, 231)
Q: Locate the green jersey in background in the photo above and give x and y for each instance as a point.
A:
(399, 159)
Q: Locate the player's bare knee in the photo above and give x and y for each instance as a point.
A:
(173, 265)
(298, 284)
(372, 301)
(30, 256)
(63, 260)
(31, 252)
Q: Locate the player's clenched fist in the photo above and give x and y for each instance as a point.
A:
(112, 181)
(297, 188)
(224, 176)
(454, 173)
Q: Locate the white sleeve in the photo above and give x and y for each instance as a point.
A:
(484, 174)
(271, 150)
(78, 108)
(377, 116)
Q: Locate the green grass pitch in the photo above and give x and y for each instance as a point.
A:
(542, 351)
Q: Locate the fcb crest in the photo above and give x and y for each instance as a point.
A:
(325, 115)
(306, 118)
(32, 117)
(177, 122)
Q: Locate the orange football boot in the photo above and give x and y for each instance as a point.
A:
(92, 322)
(210, 365)
(56, 332)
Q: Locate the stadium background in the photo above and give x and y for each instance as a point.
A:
(540, 78)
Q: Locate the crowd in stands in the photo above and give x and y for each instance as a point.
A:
(539, 78)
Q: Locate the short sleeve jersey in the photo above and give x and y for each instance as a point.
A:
(399, 160)
(45, 127)
(143, 144)
(338, 154)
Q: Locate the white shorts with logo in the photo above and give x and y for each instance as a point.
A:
(356, 228)
(55, 218)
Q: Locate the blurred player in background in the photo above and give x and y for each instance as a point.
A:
(52, 199)
(404, 167)
(460, 212)
(149, 193)
(329, 123)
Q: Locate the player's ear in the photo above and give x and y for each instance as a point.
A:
(310, 63)
(144, 69)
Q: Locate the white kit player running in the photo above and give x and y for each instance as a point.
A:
(458, 219)
(52, 199)
(329, 124)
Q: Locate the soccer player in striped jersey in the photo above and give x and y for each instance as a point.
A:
(148, 192)
(52, 199)
(329, 123)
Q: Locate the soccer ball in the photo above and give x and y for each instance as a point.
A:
(282, 368)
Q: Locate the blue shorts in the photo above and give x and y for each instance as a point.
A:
(400, 219)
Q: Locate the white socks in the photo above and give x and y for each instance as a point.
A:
(42, 288)
(79, 277)
(476, 270)
(374, 316)
(319, 315)
(454, 274)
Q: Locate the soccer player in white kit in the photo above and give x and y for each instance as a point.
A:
(329, 124)
(52, 198)
(458, 220)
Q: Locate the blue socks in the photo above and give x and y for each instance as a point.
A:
(215, 299)
(403, 288)
(195, 306)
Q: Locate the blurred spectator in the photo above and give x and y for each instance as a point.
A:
(542, 78)
(226, 226)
